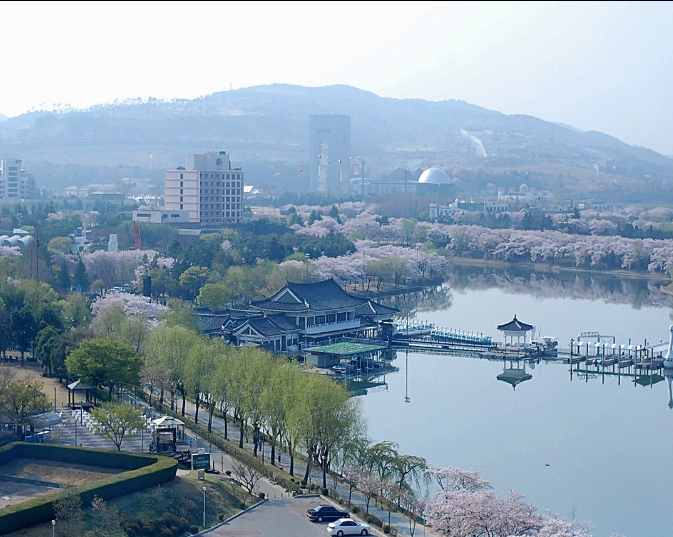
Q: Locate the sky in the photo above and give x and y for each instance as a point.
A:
(603, 66)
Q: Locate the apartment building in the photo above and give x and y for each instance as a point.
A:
(15, 182)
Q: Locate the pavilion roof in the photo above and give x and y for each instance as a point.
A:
(515, 326)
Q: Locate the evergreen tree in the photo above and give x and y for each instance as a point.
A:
(64, 277)
(81, 279)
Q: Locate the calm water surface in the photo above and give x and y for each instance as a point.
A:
(592, 447)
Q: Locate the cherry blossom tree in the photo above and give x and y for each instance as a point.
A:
(369, 484)
(131, 305)
(466, 505)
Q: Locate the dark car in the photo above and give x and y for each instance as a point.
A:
(320, 513)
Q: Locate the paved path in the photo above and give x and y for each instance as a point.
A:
(74, 426)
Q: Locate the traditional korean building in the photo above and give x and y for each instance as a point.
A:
(300, 315)
(515, 329)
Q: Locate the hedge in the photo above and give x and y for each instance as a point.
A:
(141, 471)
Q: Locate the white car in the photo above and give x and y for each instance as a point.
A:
(348, 526)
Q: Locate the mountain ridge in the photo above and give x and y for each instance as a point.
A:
(265, 129)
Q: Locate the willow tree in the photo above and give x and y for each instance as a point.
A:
(170, 346)
(252, 376)
(283, 379)
(198, 374)
(328, 417)
(222, 385)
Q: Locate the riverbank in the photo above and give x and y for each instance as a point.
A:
(555, 269)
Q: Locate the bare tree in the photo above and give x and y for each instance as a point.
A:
(246, 476)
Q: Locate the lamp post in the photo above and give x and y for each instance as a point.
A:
(53, 528)
(204, 506)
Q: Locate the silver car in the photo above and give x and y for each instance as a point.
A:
(348, 526)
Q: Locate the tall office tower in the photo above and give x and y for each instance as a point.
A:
(15, 182)
(208, 187)
(330, 148)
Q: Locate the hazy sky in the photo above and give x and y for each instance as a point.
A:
(605, 66)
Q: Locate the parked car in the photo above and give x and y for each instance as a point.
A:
(346, 526)
(321, 513)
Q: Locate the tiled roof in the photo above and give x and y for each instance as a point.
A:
(273, 325)
(373, 308)
(208, 323)
(515, 326)
(211, 321)
(317, 296)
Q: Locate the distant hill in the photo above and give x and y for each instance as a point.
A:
(265, 129)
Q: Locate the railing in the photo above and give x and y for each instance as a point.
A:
(328, 327)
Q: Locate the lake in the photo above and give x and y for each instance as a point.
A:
(588, 447)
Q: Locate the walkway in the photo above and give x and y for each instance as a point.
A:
(397, 520)
(74, 432)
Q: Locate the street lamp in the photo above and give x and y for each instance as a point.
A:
(204, 506)
(53, 528)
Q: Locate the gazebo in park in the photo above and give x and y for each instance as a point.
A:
(515, 329)
(82, 389)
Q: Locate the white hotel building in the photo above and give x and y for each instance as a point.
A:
(207, 188)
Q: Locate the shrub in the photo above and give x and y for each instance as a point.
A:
(132, 528)
(374, 521)
(228, 472)
(325, 491)
(193, 529)
(220, 517)
(261, 495)
(386, 528)
(355, 509)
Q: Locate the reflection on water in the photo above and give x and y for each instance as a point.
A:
(586, 442)
(607, 287)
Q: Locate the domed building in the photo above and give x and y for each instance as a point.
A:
(435, 183)
(434, 176)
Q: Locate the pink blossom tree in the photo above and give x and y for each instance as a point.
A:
(467, 506)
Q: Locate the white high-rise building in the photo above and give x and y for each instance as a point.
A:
(112, 244)
(15, 182)
(208, 188)
(330, 146)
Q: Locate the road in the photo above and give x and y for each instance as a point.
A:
(263, 519)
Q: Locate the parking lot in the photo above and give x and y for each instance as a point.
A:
(282, 516)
